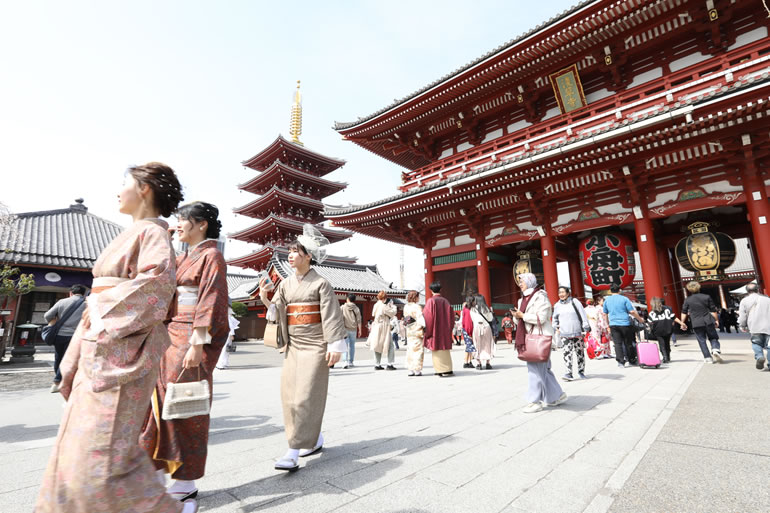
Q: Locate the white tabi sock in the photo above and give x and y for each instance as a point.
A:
(190, 506)
(291, 454)
(320, 441)
(181, 486)
(161, 474)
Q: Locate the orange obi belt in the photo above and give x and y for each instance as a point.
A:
(104, 283)
(299, 314)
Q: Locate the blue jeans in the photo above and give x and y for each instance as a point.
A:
(394, 336)
(760, 341)
(351, 340)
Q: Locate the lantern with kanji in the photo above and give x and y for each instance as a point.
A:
(529, 262)
(705, 253)
(608, 259)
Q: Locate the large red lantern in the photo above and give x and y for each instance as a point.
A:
(607, 258)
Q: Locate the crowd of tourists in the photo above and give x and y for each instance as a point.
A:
(134, 359)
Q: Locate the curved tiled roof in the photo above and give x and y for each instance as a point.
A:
(69, 237)
(739, 84)
(495, 51)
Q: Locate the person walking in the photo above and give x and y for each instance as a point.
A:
(662, 321)
(703, 314)
(534, 313)
(198, 332)
(457, 330)
(467, 324)
(508, 327)
(415, 329)
(110, 369)
(570, 323)
(616, 311)
(395, 329)
(754, 318)
(380, 338)
(483, 333)
(224, 356)
(437, 319)
(352, 316)
(68, 312)
(315, 342)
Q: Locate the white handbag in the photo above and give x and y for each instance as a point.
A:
(185, 400)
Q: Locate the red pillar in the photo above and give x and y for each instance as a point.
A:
(759, 215)
(428, 272)
(648, 254)
(482, 271)
(548, 249)
(576, 278)
(667, 275)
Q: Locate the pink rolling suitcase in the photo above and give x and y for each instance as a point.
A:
(648, 353)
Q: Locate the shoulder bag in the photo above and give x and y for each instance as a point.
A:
(537, 347)
(50, 332)
(185, 400)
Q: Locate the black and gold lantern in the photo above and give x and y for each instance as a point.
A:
(705, 253)
(529, 262)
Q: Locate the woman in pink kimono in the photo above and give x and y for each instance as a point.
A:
(111, 366)
(198, 333)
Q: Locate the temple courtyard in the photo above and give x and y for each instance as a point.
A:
(686, 437)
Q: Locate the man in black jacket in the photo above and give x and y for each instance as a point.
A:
(705, 321)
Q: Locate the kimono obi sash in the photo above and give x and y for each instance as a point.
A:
(298, 314)
(105, 282)
(186, 300)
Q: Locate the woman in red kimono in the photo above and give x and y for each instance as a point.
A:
(198, 333)
(111, 365)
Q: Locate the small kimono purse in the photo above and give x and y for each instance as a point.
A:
(185, 400)
(273, 337)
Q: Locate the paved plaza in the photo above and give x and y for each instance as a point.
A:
(687, 437)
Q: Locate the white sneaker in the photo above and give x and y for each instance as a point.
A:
(708, 360)
(55, 388)
(717, 355)
(561, 400)
(533, 407)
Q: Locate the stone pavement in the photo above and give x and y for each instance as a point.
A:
(425, 444)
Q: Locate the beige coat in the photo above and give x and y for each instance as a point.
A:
(379, 336)
(538, 308)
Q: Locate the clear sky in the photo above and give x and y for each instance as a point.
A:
(91, 87)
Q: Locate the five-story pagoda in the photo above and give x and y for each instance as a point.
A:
(291, 185)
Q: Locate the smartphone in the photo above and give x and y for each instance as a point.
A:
(269, 285)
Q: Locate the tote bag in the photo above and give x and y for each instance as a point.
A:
(537, 347)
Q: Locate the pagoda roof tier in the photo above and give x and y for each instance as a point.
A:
(278, 201)
(259, 259)
(513, 79)
(296, 156)
(278, 230)
(288, 177)
(342, 273)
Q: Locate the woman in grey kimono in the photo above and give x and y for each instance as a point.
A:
(534, 314)
(312, 318)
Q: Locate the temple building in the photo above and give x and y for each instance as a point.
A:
(291, 184)
(617, 128)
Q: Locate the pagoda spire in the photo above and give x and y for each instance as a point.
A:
(295, 126)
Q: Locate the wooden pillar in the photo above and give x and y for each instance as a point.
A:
(755, 262)
(428, 271)
(648, 254)
(667, 276)
(482, 271)
(576, 278)
(681, 295)
(548, 250)
(759, 213)
(722, 299)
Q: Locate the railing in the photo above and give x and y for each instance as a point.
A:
(645, 99)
